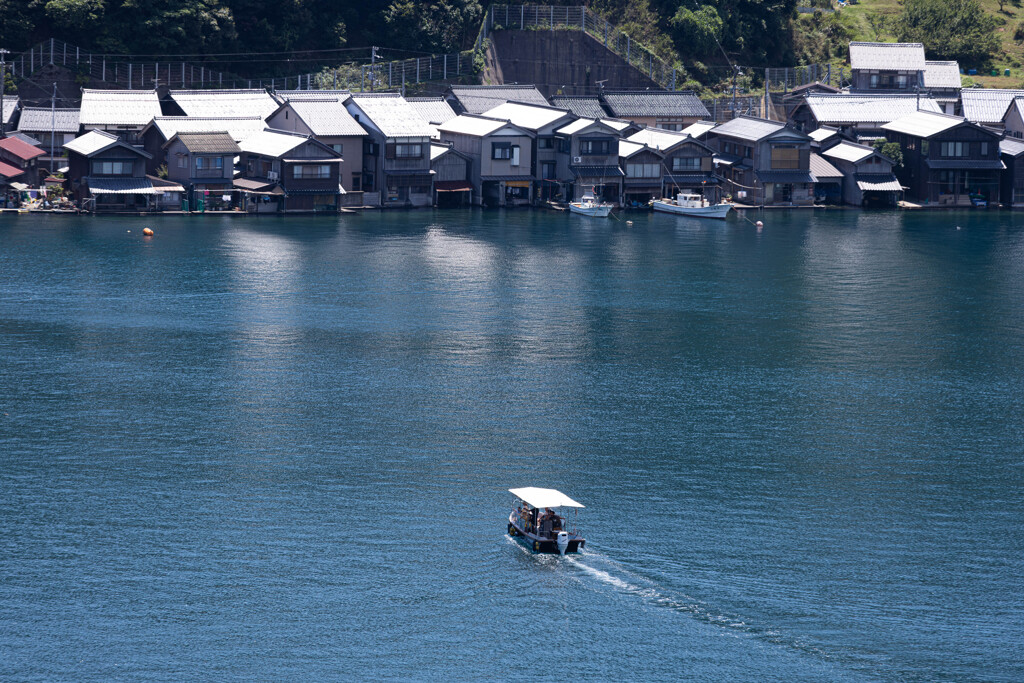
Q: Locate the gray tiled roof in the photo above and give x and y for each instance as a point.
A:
(326, 116)
(118, 107)
(392, 115)
(434, 110)
(1011, 146)
(239, 127)
(10, 104)
(923, 124)
(225, 102)
(887, 56)
(584, 107)
(982, 105)
(209, 143)
(272, 143)
(476, 99)
(625, 104)
(748, 128)
(822, 169)
(849, 151)
(850, 109)
(41, 119)
(942, 75)
(97, 140)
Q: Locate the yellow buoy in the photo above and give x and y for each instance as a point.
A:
(148, 232)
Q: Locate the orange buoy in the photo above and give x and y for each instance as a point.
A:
(148, 232)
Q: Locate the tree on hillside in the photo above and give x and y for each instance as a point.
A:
(696, 32)
(435, 26)
(949, 29)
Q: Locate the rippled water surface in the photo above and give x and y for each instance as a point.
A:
(278, 449)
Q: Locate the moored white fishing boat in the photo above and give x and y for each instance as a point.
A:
(589, 206)
(692, 205)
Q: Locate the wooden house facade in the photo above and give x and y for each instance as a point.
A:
(946, 159)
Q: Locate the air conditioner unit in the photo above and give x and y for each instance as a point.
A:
(577, 160)
(272, 175)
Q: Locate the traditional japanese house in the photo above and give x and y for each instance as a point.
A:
(105, 173)
(124, 113)
(858, 116)
(671, 110)
(326, 118)
(551, 173)
(987, 106)
(52, 128)
(452, 170)
(24, 157)
(477, 99)
(643, 170)
(203, 163)
(867, 175)
(1011, 150)
(502, 158)
(163, 128)
(886, 67)
(396, 153)
(942, 82)
(593, 152)
(763, 162)
(947, 159)
(687, 164)
(285, 171)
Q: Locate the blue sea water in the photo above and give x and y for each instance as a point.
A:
(278, 449)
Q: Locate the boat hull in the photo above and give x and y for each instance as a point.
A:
(543, 545)
(710, 211)
(597, 211)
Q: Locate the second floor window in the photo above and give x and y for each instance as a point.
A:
(954, 149)
(312, 171)
(686, 164)
(209, 163)
(404, 150)
(112, 167)
(601, 146)
(785, 157)
(643, 170)
(501, 150)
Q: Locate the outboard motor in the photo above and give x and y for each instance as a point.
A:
(563, 541)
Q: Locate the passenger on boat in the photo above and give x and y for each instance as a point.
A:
(547, 522)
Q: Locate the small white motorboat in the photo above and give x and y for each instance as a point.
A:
(692, 205)
(534, 522)
(589, 206)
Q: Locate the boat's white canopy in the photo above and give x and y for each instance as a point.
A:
(544, 498)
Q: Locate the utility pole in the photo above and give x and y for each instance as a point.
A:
(53, 123)
(3, 86)
(735, 70)
(373, 60)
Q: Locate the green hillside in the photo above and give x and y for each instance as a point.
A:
(880, 20)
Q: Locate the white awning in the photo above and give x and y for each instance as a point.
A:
(890, 186)
(544, 498)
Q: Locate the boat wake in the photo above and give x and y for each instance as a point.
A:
(593, 565)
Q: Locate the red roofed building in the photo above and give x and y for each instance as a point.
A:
(21, 156)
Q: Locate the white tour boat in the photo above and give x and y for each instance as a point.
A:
(692, 205)
(589, 206)
(534, 522)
